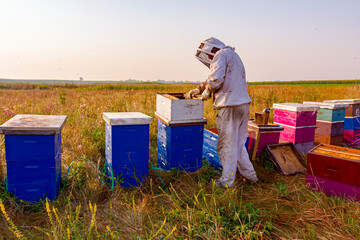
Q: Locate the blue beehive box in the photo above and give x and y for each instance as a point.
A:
(33, 156)
(180, 131)
(352, 123)
(210, 147)
(127, 146)
(180, 146)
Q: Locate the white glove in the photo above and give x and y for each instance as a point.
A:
(205, 95)
(191, 93)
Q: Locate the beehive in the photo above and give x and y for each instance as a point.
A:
(352, 119)
(260, 136)
(354, 106)
(33, 156)
(334, 170)
(299, 122)
(329, 122)
(173, 108)
(127, 146)
(180, 131)
(210, 147)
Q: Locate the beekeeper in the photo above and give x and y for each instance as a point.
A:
(227, 83)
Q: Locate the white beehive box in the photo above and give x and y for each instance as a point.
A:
(173, 108)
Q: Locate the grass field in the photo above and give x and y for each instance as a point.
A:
(186, 206)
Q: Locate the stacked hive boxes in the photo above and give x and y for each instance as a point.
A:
(180, 132)
(33, 156)
(127, 146)
(352, 120)
(299, 123)
(329, 122)
(334, 170)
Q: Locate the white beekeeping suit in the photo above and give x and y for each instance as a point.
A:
(227, 82)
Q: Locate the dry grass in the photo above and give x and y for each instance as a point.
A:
(188, 206)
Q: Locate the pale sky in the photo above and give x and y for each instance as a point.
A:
(151, 40)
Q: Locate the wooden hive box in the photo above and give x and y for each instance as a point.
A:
(330, 112)
(127, 146)
(180, 131)
(33, 155)
(260, 136)
(354, 106)
(352, 137)
(294, 114)
(180, 146)
(334, 170)
(329, 122)
(298, 120)
(173, 108)
(352, 123)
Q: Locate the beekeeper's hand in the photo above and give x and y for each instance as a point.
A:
(192, 93)
(205, 95)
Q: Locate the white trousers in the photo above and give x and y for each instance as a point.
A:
(232, 124)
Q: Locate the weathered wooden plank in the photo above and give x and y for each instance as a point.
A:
(286, 158)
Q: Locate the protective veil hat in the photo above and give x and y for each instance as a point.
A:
(207, 50)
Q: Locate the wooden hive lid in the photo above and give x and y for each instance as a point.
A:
(126, 118)
(286, 158)
(25, 124)
(328, 105)
(295, 107)
(344, 101)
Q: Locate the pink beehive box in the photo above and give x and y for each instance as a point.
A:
(295, 114)
(352, 136)
(298, 120)
(266, 134)
(298, 134)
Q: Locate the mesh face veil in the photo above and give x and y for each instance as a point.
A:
(207, 50)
